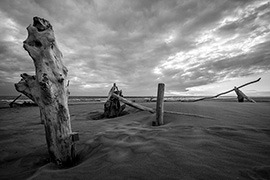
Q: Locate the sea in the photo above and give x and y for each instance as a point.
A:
(6, 100)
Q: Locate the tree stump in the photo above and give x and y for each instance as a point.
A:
(112, 107)
(48, 88)
(241, 96)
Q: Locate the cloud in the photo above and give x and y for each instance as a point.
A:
(140, 43)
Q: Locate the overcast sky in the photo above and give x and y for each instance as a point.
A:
(195, 47)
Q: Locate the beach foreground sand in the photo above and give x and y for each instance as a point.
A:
(212, 140)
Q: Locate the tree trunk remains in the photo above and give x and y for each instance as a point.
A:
(49, 90)
(112, 106)
(241, 96)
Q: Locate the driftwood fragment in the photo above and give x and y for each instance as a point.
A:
(241, 96)
(48, 88)
(113, 89)
(11, 104)
(112, 106)
(133, 104)
(226, 92)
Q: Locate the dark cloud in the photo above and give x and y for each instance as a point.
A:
(183, 43)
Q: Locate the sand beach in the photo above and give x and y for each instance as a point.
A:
(207, 140)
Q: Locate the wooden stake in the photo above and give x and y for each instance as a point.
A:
(160, 104)
(48, 88)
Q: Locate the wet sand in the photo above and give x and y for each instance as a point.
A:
(210, 140)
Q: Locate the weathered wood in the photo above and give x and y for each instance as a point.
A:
(160, 104)
(28, 86)
(112, 106)
(114, 88)
(49, 90)
(11, 104)
(241, 96)
(133, 104)
(226, 92)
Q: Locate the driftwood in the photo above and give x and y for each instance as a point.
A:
(11, 104)
(144, 108)
(133, 104)
(241, 96)
(211, 97)
(160, 104)
(113, 89)
(48, 88)
(112, 106)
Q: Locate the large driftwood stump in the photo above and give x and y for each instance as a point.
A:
(48, 88)
(112, 107)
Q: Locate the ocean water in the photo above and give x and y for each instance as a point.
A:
(5, 100)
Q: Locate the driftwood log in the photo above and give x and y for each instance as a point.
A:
(133, 104)
(226, 92)
(48, 88)
(112, 106)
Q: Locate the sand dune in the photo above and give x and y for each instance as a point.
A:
(210, 140)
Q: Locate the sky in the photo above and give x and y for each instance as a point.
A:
(194, 47)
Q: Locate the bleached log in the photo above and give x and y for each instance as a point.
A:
(133, 104)
(241, 95)
(226, 92)
(49, 90)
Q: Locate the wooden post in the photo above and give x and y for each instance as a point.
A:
(160, 104)
(49, 90)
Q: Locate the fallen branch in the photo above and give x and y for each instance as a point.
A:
(211, 97)
(11, 104)
(144, 108)
(132, 104)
